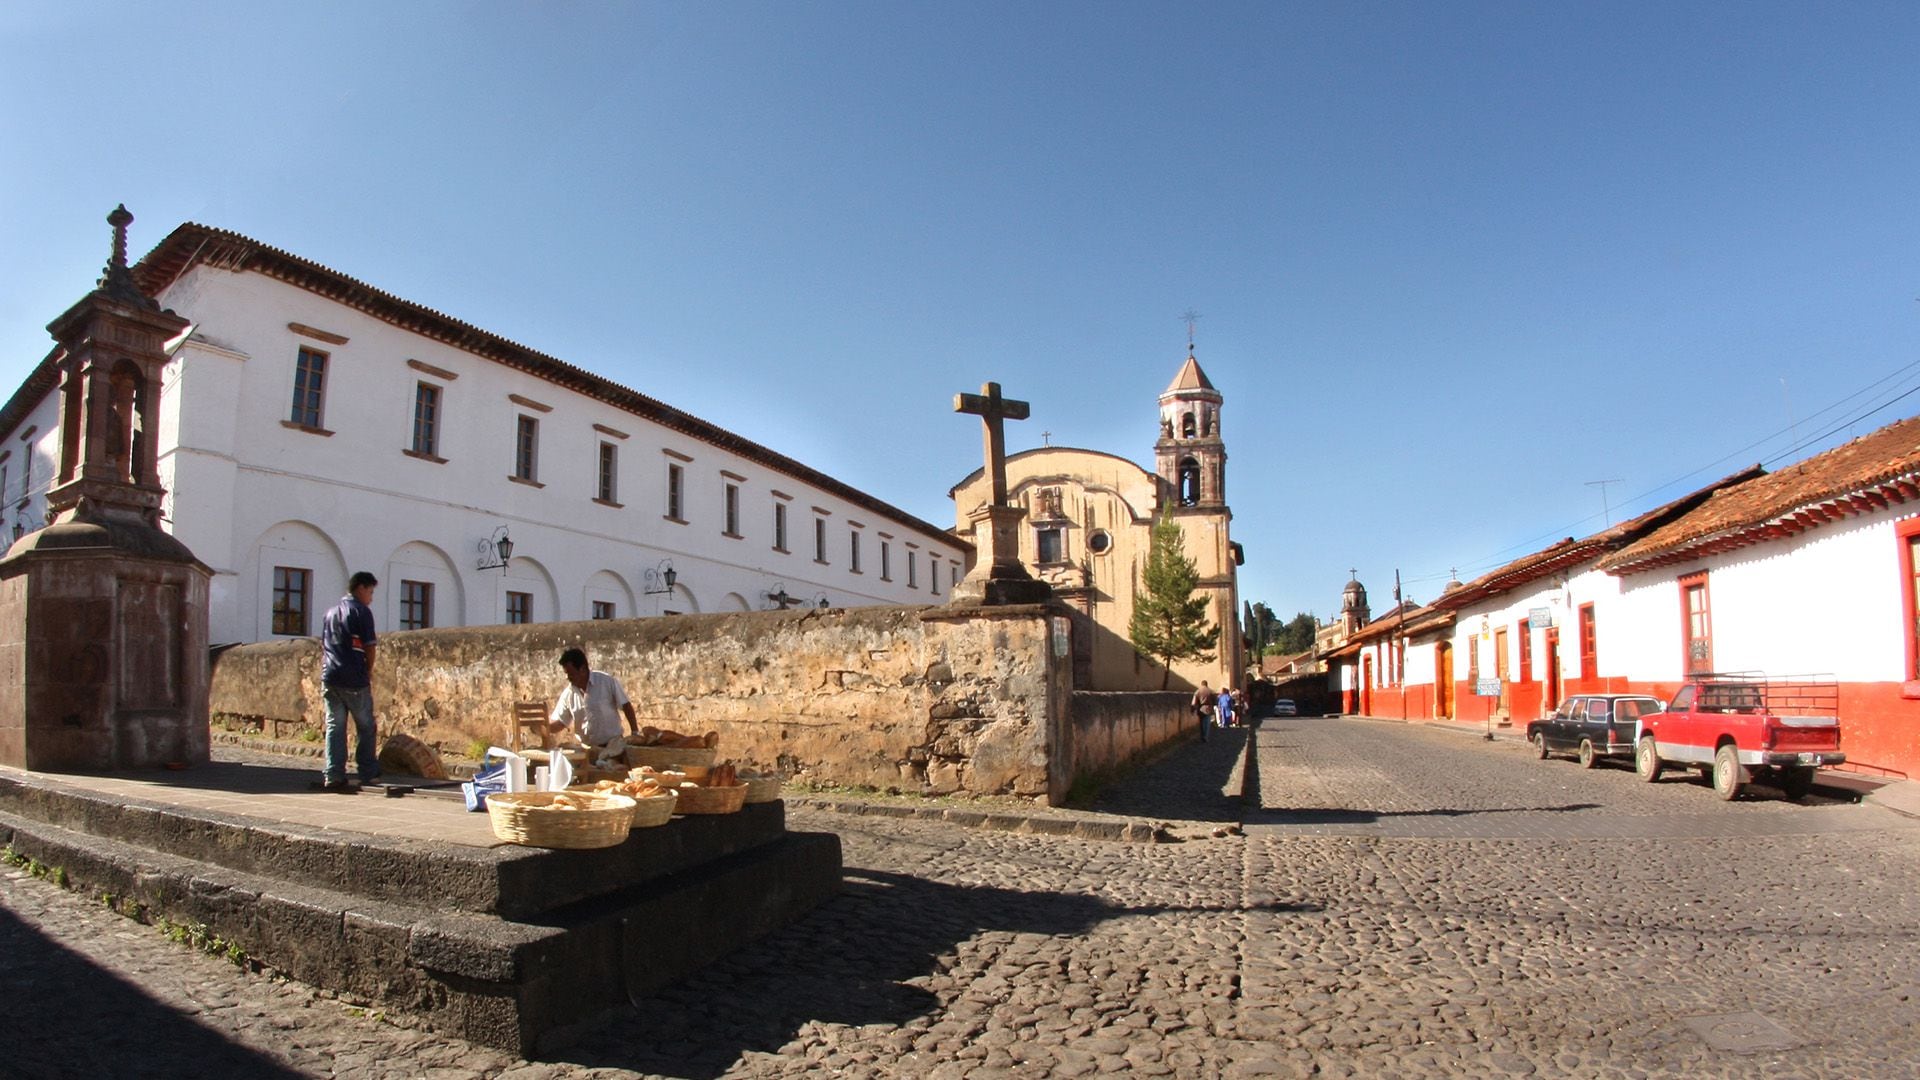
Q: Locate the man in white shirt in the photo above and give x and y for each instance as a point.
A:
(591, 704)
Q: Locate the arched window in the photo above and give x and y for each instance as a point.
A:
(1189, 482)
(1187, 430)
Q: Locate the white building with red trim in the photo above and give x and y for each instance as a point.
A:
(1806, 571)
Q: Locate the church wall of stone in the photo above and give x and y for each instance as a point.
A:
(1112, 729)
(916, 698)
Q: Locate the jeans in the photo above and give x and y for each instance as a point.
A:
(342, 701)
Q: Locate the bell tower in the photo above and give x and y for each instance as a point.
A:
(1190, 455)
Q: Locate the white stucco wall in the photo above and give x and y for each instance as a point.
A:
(1824, 602)
(247, 492)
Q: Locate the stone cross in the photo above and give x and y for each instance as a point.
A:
(993, 410)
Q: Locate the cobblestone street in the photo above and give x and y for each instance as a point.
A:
(1404, 901)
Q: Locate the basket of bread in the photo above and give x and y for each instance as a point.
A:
(761, 787)
(723, 793)
(664, 747)
(652, 797)
(561, 819)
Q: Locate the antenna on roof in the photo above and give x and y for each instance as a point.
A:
(1604, 504)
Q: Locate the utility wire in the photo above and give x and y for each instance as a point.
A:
(1504, 554)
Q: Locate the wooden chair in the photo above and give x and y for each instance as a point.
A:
(530, 719)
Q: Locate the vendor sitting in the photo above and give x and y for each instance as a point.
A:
(588, 705)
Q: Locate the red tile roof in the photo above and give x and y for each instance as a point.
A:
(1872, 472)
(192, 244)
(1570, 552)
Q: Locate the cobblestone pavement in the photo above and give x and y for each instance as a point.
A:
(1406, 902)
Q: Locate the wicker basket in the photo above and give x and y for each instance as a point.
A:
(648, 810)
(761, 788)
(710, 800)
(590, 774)
(521, 817)
(663, 757)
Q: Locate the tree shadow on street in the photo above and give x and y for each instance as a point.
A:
(850, 963)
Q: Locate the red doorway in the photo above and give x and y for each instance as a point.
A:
(1553, 668)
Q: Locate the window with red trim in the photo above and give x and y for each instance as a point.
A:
(1589, 660)
(1696, 614)
(1908, 534)
(1526, 651)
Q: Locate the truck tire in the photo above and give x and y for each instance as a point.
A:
(1796, 781)
(1726, 772)
(1646, 760)
(1588, 757)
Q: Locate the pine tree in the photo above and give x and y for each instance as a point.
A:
(1169, 622)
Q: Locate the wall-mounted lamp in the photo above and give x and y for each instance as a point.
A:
(658, 579)
(781, 599)
(495, 550)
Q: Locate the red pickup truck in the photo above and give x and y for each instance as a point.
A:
(1737, 728)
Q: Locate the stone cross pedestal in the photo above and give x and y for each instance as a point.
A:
(998, 576)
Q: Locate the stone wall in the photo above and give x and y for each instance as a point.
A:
(1110, 729)
(916, 698)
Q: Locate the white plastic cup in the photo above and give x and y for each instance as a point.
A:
(540, 778)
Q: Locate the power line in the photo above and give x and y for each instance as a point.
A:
(1504, 554)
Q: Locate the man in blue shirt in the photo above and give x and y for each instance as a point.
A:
(347, 643)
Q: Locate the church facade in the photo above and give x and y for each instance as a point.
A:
(1088, 531)
(310, 425)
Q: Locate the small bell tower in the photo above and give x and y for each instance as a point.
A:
(103, 614)
(1190, 455)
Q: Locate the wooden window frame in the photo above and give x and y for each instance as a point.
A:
(1589, 642)
(607, 480)
(310, 384)
(426, 421)
(730, 509)
(526, 448)
(1687, 583)
(779, 526)
(1525, 630)
(1907, 536)
(603, 609)
(282, 590)
(519, 608)
(416, 605)
(676, 493)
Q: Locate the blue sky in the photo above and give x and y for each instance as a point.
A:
(1454, 262)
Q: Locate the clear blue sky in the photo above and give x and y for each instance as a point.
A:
(1454, 261)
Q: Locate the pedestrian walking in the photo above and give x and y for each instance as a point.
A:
(1223, 707)
(347, 647)
(1203, 707)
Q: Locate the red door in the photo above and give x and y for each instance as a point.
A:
(1553, 667)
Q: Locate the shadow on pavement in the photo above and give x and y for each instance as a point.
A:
(1314, 815)
(71, 1017)
(848, 963)
(1188, 783)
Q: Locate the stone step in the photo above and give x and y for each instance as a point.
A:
(507, 880)
(317, 907)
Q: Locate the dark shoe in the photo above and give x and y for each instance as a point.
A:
(341, 787)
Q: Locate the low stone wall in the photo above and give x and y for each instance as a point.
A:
(1110, 729)
(921, 699)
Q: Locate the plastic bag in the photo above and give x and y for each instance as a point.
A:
(509, 773)
(559, 772)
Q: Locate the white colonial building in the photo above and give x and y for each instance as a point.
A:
(311, 425)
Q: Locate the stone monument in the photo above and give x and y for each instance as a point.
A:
(103, 615)
(998, 576)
